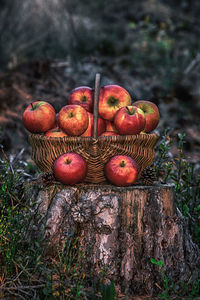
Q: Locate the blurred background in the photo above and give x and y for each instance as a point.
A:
(150, 47)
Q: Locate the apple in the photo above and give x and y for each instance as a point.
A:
(39, 117)
(110, 126)
(151, 113)
(111, 98)
(121, 170)
(109, 133)
(70, 168)
(129, 120)
(55, 132)
(82, 96)
(55, 126)
(101, 126)
(73, 119)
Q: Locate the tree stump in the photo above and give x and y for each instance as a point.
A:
(123, 228)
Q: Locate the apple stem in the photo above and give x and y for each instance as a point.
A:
(122, 164)
(32, 106)
(68, 161)
(129, 110)
(84, 99)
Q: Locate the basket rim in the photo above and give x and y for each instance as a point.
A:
(90, 138)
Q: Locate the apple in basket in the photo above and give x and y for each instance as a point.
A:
(55, 126)
(129, 120)
(110, 126)
(38, 117)
(109, 133)
(111, 98)
(73, 119)
(121, 170)
(101, 126)
(70, 168)
(82, 96)
(151, 113)
(55, 132)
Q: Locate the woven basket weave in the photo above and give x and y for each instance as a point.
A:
(96, 150)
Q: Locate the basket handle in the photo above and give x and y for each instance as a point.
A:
(96, 105)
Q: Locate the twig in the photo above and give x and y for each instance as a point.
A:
(17, 156)
(17, 200)
(23, 268)
(7, 159)
(28, 287)
(26, 293)
(20, 296)
(158, 286)
(16, 278)
(35, 295)
(60, 64)
(195, 61)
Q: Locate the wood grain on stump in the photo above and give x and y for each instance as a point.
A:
(123, 228)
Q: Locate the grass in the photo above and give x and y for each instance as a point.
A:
(189, 288)
(26, 272)
(182, 174)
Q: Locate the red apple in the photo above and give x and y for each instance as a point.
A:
(111, 98)
(151, 113)
(121, 170)
(82, 96)
(70, 168)
(109, 133)
(129, 120)
(110, 126)
(39, 117)
(55, 126)
(55, 132)
(73, 119)
(101, 126)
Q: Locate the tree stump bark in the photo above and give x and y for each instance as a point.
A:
(123, 228)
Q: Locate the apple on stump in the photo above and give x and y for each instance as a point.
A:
(121, 170)
(70, 168)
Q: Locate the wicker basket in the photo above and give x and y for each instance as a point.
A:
(96, 150)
